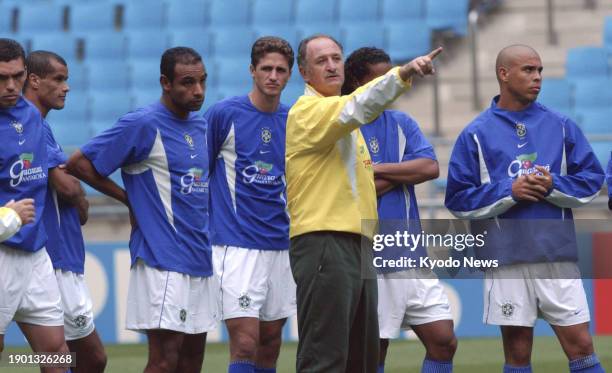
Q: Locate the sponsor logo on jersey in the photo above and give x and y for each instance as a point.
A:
(259, 173)
(524, 164)
(192, 182)
(22, 170)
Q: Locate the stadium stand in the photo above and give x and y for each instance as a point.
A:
(447, 15)
(557, 94)
(402, 11)
(608, 34)
(587, 63)
(272, 13)
(367, 11)
(229, 13)
(43, 18)
(141, 15)
(190, 14)
(60, 43)
(105, 46)
(357, 35)
(89, 17)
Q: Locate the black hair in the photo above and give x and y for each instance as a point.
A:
(176, 55)
(10, 50)
(357, 66)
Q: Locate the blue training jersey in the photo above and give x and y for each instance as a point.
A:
(247, 163)
(499, 146)
(164, 166)
(23, 168)
(65, 244)
(394, 137)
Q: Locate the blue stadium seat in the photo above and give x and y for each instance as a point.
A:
(145, 74)
(196, 38)
(187, 14)
(141, 98)
(602, 150)
(408, 40)
(71, 134)
(77, 77)
(315, 12)
(144, 15)
(447, 15)
(272, 13)
(330, 29)
(44, 17)
(592, 94)
(90, 17)
(141, 44)
(63, 44)
(6, 16)
(360, 35)
(351, 11)
(608, 34)
(596, 122)
(231, 75)
(106, 108)
(402, 11)
(557, 95)
(105, 46)
(289, 33)
(233, 42)
(586, 63)
(76, 111)
(212, 96)
(229, 13)
(108, 76)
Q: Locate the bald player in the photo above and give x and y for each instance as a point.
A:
(520, 160)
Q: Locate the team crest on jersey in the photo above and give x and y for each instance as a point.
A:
(189, 140)
(183, 315)
(80, 321)
(17, 126)
(266, 135)
(374, 145)
(521, 129)
(244, 301)
(507, 309)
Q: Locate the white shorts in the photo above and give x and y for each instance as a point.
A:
(514, 296)
(159, 299)
(255, 283)
(28, 289)
(415, 298)
(76, 303)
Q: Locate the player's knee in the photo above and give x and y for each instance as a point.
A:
(581, 347)
(443, 348)
(245, 347)
(98, 360)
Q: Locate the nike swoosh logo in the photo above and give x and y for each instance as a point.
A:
(520, 145)
(264, 152)
(193, 156)
(21, 142)
(376, 162)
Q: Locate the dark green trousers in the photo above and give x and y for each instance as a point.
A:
(337, 307)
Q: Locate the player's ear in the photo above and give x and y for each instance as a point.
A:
(165, 83)
(33, 80)
(252, 70)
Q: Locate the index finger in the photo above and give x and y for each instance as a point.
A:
(434, 53)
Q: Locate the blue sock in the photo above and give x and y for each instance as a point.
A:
(587, 364)
(432, 366)
(265, 370)
(513, 369)
(381, 368)
(242, 366)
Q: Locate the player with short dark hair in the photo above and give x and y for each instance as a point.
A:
(66, 209)
(249, 223)
(402, 157)
(28, 290)
(161, 150)
(519, 160)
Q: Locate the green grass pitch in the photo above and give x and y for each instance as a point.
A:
(482, 355)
